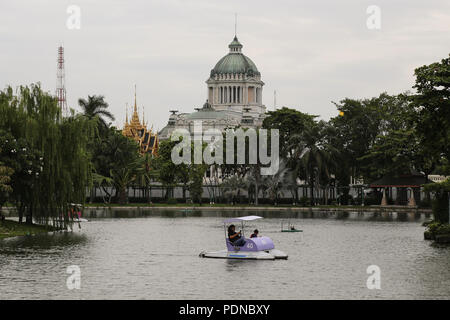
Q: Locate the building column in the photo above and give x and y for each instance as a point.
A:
(232, 94)
(412, 200)
(246, 94)
(215, 95)
(384, 200)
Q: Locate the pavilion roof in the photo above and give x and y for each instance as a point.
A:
(411, 180)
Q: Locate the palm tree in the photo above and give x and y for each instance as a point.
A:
(254, 181)
(233, 186)
(95, 106)
(125, 163)
(147, 175)
(123, 177)
(273, 184)
(312, 153)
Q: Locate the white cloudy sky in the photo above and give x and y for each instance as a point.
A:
(311, 52)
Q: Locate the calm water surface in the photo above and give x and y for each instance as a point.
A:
(156, 257)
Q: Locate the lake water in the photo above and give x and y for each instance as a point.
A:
(156, 257)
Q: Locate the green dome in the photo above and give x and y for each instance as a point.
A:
(235, 62)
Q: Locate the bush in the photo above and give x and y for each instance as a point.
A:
(433, 226)
(436, 228)
(443, 229)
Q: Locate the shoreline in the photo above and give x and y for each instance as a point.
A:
(268, 208)
(12, 229)
(11, 212)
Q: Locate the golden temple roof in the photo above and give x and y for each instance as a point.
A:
(137, 130)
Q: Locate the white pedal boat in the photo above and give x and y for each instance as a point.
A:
(260, 248)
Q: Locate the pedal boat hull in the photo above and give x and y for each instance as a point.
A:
(254, 249)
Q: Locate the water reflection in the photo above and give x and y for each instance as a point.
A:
(274, 214)
(48, 241)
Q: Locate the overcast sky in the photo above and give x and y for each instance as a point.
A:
(311, 52)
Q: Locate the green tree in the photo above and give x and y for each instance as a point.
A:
(396, 148)
(432, 103)
(289, 122)
(233, 187)
(5, 185)
(51, 163)
(441, 202)
(117, 157)
(197, 174)
(313, 158)
(96, 107)
(149, 174)
(167, 169)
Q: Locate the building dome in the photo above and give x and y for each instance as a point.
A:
(235, 62)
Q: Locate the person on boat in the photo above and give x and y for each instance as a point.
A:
(255, 234)
(235, 237)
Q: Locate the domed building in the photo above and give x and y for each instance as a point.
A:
(234, 97)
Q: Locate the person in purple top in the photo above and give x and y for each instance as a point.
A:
(235, 237)
(254, 234)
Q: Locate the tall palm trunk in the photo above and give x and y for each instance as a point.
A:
(123, 196)
(311, 183)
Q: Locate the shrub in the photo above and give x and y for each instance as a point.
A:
(443, 229)
(435, 228)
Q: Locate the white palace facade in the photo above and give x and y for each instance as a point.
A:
(234, 97)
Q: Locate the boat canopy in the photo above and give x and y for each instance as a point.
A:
(247, 218)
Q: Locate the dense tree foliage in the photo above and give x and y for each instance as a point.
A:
(432, 103)
(48, 154)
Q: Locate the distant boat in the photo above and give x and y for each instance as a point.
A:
(290, 228)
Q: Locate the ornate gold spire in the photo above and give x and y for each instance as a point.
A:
(135, 104)
(137, 130)
(135, 122)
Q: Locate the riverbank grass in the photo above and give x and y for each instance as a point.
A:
(9, 228)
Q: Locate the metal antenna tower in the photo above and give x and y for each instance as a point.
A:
(61, 83)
